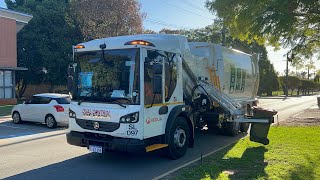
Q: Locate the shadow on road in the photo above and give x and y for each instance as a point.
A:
(117, 165)
(10, 130)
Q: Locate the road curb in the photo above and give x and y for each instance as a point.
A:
(195, 160)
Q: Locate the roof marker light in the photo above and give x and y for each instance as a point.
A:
(139, 42)
(79, 47)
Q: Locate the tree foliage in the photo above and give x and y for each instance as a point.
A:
(44, 45)
(291, 23)
(100, 18)
(294, 82)
(308, 85)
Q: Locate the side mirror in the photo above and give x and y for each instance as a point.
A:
(70, 83)
(157, 78)
(157, 84)
(71, 69)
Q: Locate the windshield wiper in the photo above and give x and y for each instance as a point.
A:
(117, 101)
(84, 97)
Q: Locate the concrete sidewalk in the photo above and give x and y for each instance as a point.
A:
(308, 117)
(5, 118)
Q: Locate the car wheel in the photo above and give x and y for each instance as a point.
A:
(16, 118)
(178, 137)
(51, 122)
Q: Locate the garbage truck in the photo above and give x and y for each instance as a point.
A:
(152, 91)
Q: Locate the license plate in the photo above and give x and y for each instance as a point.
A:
(97, 149)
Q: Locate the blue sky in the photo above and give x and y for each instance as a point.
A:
(177, 14)
(2, 4)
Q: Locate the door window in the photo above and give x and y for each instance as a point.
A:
(35, 100)
(170, 75)
(154, 57)
(45, 100)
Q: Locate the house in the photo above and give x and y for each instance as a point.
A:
(11, 22)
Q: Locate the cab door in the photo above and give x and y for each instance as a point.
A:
(155, 110)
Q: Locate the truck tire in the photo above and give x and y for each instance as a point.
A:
(178, 138)
(231, 128)
(244, 127)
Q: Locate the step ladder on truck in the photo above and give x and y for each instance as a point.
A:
(149, 92)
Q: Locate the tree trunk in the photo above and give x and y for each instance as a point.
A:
(51, 87)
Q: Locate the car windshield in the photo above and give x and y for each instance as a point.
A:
(108, 76)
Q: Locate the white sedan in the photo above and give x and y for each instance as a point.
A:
(51, 109)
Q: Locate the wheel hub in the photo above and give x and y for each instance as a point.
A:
(179, 137)
(15, 117)
(50, 121)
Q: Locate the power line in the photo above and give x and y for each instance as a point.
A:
(154, 21)
(194, 6)
(185, 10)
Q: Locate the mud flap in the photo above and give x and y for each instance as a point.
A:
(259, 131)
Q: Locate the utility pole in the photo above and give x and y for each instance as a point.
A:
(287, 73)
(223, 33)
(289, 59)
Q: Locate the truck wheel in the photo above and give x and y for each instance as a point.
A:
(178, 137)
(244, 127)
(231, 128)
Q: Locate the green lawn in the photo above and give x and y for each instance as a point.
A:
(5, 110)
(293, 153)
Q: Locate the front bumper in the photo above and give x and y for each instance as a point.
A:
(108, 143)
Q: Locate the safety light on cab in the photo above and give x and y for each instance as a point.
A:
(79, 47)
(139, 42)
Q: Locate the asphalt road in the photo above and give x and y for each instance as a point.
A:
(30, 151)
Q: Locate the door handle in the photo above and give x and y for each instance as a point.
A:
(163, 110)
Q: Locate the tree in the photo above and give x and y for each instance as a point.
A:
(307, 86)
(209, 33)
(268, 78)
(294, 82)
(293, 24)
(100, 18)
(44, 45)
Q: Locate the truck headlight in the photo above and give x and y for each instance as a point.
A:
(130, 118)
(72, 114)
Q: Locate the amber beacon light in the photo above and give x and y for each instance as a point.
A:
(79, 47)
(139, 42)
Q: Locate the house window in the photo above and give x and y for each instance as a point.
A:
(6, 85)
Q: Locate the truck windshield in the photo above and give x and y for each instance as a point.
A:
(108, 76)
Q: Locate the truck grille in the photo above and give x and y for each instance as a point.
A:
(103, 126)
